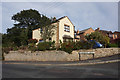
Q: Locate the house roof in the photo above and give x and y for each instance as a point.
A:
(67, 37)
(62, 18)
(117, 32)
(84, 30)
(58, 20)
(107, 32)
(104, 31)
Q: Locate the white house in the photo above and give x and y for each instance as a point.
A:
(64, 31)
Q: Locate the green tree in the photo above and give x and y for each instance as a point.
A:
(30, 19)
(27, 20)
(17, 36)
(99, 37)
(47, 32)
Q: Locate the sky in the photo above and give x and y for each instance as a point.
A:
(82, 14)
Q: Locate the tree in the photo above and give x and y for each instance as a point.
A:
(27, 20)
(30, 19)
(17, 36)
(99, 37)
(47, 32)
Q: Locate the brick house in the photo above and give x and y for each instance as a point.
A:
(77, 36)
(80, 35)
(117, 34)
(64, 31)
(117, 37)
(110, 34)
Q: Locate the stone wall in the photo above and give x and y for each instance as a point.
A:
(99, 52)
(58, 55)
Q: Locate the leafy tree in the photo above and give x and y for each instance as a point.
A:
(17, 36)
(1, 39)
(27, 20)
(30, 19)
(47, 32)
(99, 37)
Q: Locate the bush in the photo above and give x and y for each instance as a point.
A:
(82, 45)
(33, 49)
(112, 45)
(15, 48)
(23, 47)
(67, 47)
(44, 46)
(78, 45)
(32, 41)
(6, 50)
(31, 46)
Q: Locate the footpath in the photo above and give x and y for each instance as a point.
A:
(102, 60)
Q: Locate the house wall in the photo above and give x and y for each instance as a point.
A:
(36, 34)
(63, 22)
(54, 37)
(88, 31)
(82, 36)
(59, 30)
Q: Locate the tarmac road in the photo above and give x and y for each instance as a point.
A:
(39, 70)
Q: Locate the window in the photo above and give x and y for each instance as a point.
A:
(41, 30)
(67, 40)
(66, 28)
(50, 39)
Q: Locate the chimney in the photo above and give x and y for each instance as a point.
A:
(54, 18)
(77, 32)
(97, 29)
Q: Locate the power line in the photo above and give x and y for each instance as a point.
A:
(56, 4)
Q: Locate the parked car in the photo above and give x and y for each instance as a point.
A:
(97, 44)
(41, 41)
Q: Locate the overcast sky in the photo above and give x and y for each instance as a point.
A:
(82, 14)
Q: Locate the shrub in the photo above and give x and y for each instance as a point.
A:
(15, 48)
(53, 46)
(23, 47)
(82, 45)
(78, 45)
(112, 45)
(6, 50)
(44, 46)
(31, 46)
(33, 49)
(67, 47)
(32, 41)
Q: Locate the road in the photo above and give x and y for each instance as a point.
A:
(39, 70)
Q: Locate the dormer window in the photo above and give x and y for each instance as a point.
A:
(66, 28)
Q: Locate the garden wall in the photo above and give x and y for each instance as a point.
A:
(58, 55)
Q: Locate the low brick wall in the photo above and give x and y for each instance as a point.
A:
(58, 55)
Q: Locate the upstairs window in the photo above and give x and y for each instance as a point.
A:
(66, 28)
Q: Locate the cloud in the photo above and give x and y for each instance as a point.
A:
(82, 14)
(60, 0)
(103, 15)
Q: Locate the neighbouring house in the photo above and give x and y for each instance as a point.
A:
(117, 34)
(77, 36)
(110, 34)
(117, 37)
(64, 31)
(81, 34)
